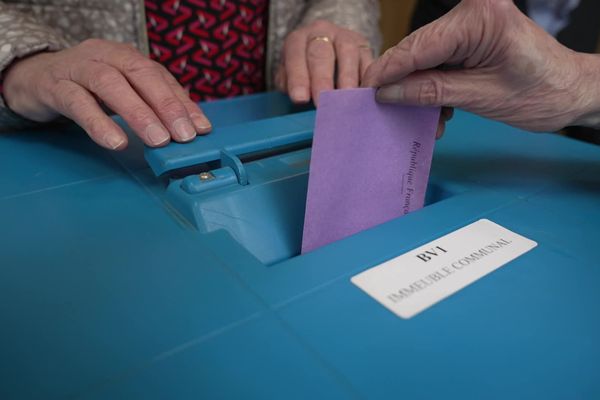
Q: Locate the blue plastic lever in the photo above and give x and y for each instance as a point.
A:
(237, 140)
(233, 162)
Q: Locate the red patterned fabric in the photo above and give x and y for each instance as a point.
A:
(215, 48)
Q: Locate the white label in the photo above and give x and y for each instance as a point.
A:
(414, 281)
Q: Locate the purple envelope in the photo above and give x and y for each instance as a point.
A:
(370, 163)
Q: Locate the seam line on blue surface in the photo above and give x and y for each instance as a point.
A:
(33, 192)
(131, 372)
(334, 373)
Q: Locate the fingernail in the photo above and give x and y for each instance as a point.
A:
(157, 135)
(201, 123)
(184, 129)
(389, 94)
(113, 141)
(299, 94)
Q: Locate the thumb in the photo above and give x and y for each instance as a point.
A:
(436, 88)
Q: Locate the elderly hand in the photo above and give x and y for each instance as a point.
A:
(500, 65)
(315, 53)
(76, 81)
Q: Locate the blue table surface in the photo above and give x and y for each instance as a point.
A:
(106, 294)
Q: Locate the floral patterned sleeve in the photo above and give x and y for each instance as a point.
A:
(21, 35)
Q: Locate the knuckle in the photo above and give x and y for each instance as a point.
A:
(348, 48)
(70, 102)
(94, 125)
(320, 52)
(139, 115)
(405, 45)
(69, 97)
(136, 63)
(297, 78)
(171, 107)
(431, 92)
(105, 80)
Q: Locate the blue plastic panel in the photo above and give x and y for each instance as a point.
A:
(40, 160)
(108, 291)
(266, 358)
(244, 125)
(96, 280)
(238, 139)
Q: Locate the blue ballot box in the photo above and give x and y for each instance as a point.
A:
(180, 277)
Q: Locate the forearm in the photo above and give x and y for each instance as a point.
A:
(361, 16)
(588, 92)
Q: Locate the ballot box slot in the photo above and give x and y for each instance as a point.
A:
(246, 158)
(266, 214)
(196, 170)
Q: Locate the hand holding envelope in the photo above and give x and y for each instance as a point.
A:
(370, 163)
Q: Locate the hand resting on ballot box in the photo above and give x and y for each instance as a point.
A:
(70, 83)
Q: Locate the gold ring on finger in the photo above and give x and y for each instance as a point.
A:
(320, 39)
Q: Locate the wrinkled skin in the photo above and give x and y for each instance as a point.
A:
(79, 81)
(496, 63)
